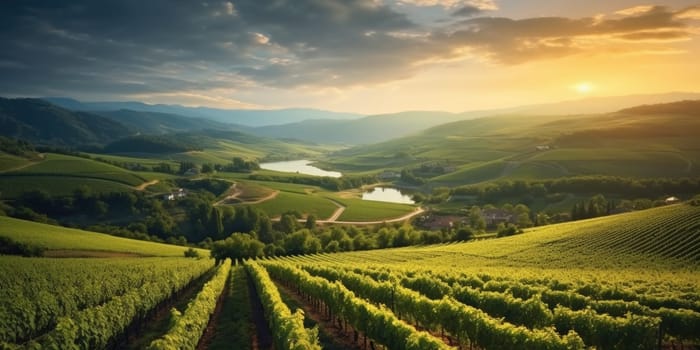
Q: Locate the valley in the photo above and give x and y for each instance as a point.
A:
(493, 232)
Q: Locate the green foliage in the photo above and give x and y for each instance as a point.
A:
(189, 326)
(287, 328)
(56, 237)
(9, 247)
(191, 253)
(150, 144)
(80, 304)
(39, 121)
(238, 246)
(17, 147)
(377, 323)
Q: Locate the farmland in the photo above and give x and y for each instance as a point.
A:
(612, 282)
(61, 238)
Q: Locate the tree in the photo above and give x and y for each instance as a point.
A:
(522, 213)
(184, 166)
(238, 246)
(207, 168)
(310, 222)
(464, 233)
(476, 218)
(288, 223)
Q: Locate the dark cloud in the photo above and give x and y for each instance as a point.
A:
(467, 11)
(119, 47)
(513, 41)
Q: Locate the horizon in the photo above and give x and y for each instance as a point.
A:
(495, 110)
(365, 57)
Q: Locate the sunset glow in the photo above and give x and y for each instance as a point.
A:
(584, 87)
(363, 56)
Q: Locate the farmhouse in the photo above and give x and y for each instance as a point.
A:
(493, 217)
(671, 200)
(180, 193)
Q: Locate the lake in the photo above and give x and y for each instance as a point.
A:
(298, 166)
(387, 194)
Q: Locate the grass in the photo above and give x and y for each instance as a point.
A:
(8, 161)
(251, 191)
(363, 210)
(64, 165)
(62, 238)
(143, 159)
(505, 147)
(13, 186)
(234, 329)
(303, 203)
(659, 247)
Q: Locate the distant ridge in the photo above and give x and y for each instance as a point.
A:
(245, 117)
(41, 122)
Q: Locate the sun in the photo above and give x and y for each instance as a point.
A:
(583, 87)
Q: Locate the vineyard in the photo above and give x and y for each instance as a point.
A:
(621, 282)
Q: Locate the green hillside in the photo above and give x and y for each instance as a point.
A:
(660, 239)
(42, 122)
(651, 141)
(60, 174)
(79, 241)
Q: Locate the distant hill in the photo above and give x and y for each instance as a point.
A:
(164, 123)
(230, 116)
(688, 107)
(647, 141)
(592, 105)
(41, 122)
(372, 129)
(149, 144)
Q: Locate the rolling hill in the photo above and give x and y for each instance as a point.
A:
(41, 122)
(367, 130)
(650, 141)
(57, 238)
(247, 117)
(164, 123)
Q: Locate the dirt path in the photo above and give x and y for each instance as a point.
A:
(20, 167)
(237, 193)
(418, 211)
(336, 214)
(143, 186)
(143, 332)
(234, 194)
(330, 335)
(262, 337)
(210, 331)
(264, 199)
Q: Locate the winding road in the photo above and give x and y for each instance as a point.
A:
(143, 186)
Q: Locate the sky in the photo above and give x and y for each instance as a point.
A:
(362, 56)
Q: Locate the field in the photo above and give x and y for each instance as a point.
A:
(362, 210)
(617, 282)
(62, 238)
(303, 203)
(13, 186)
(60, 175)
(9, 162)
(506, 147)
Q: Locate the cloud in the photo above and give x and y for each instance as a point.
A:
(230, 9)
(481, 5)
(166, 47)
(636, 10)
(511, 41)
(467, 11)
(689, 13)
